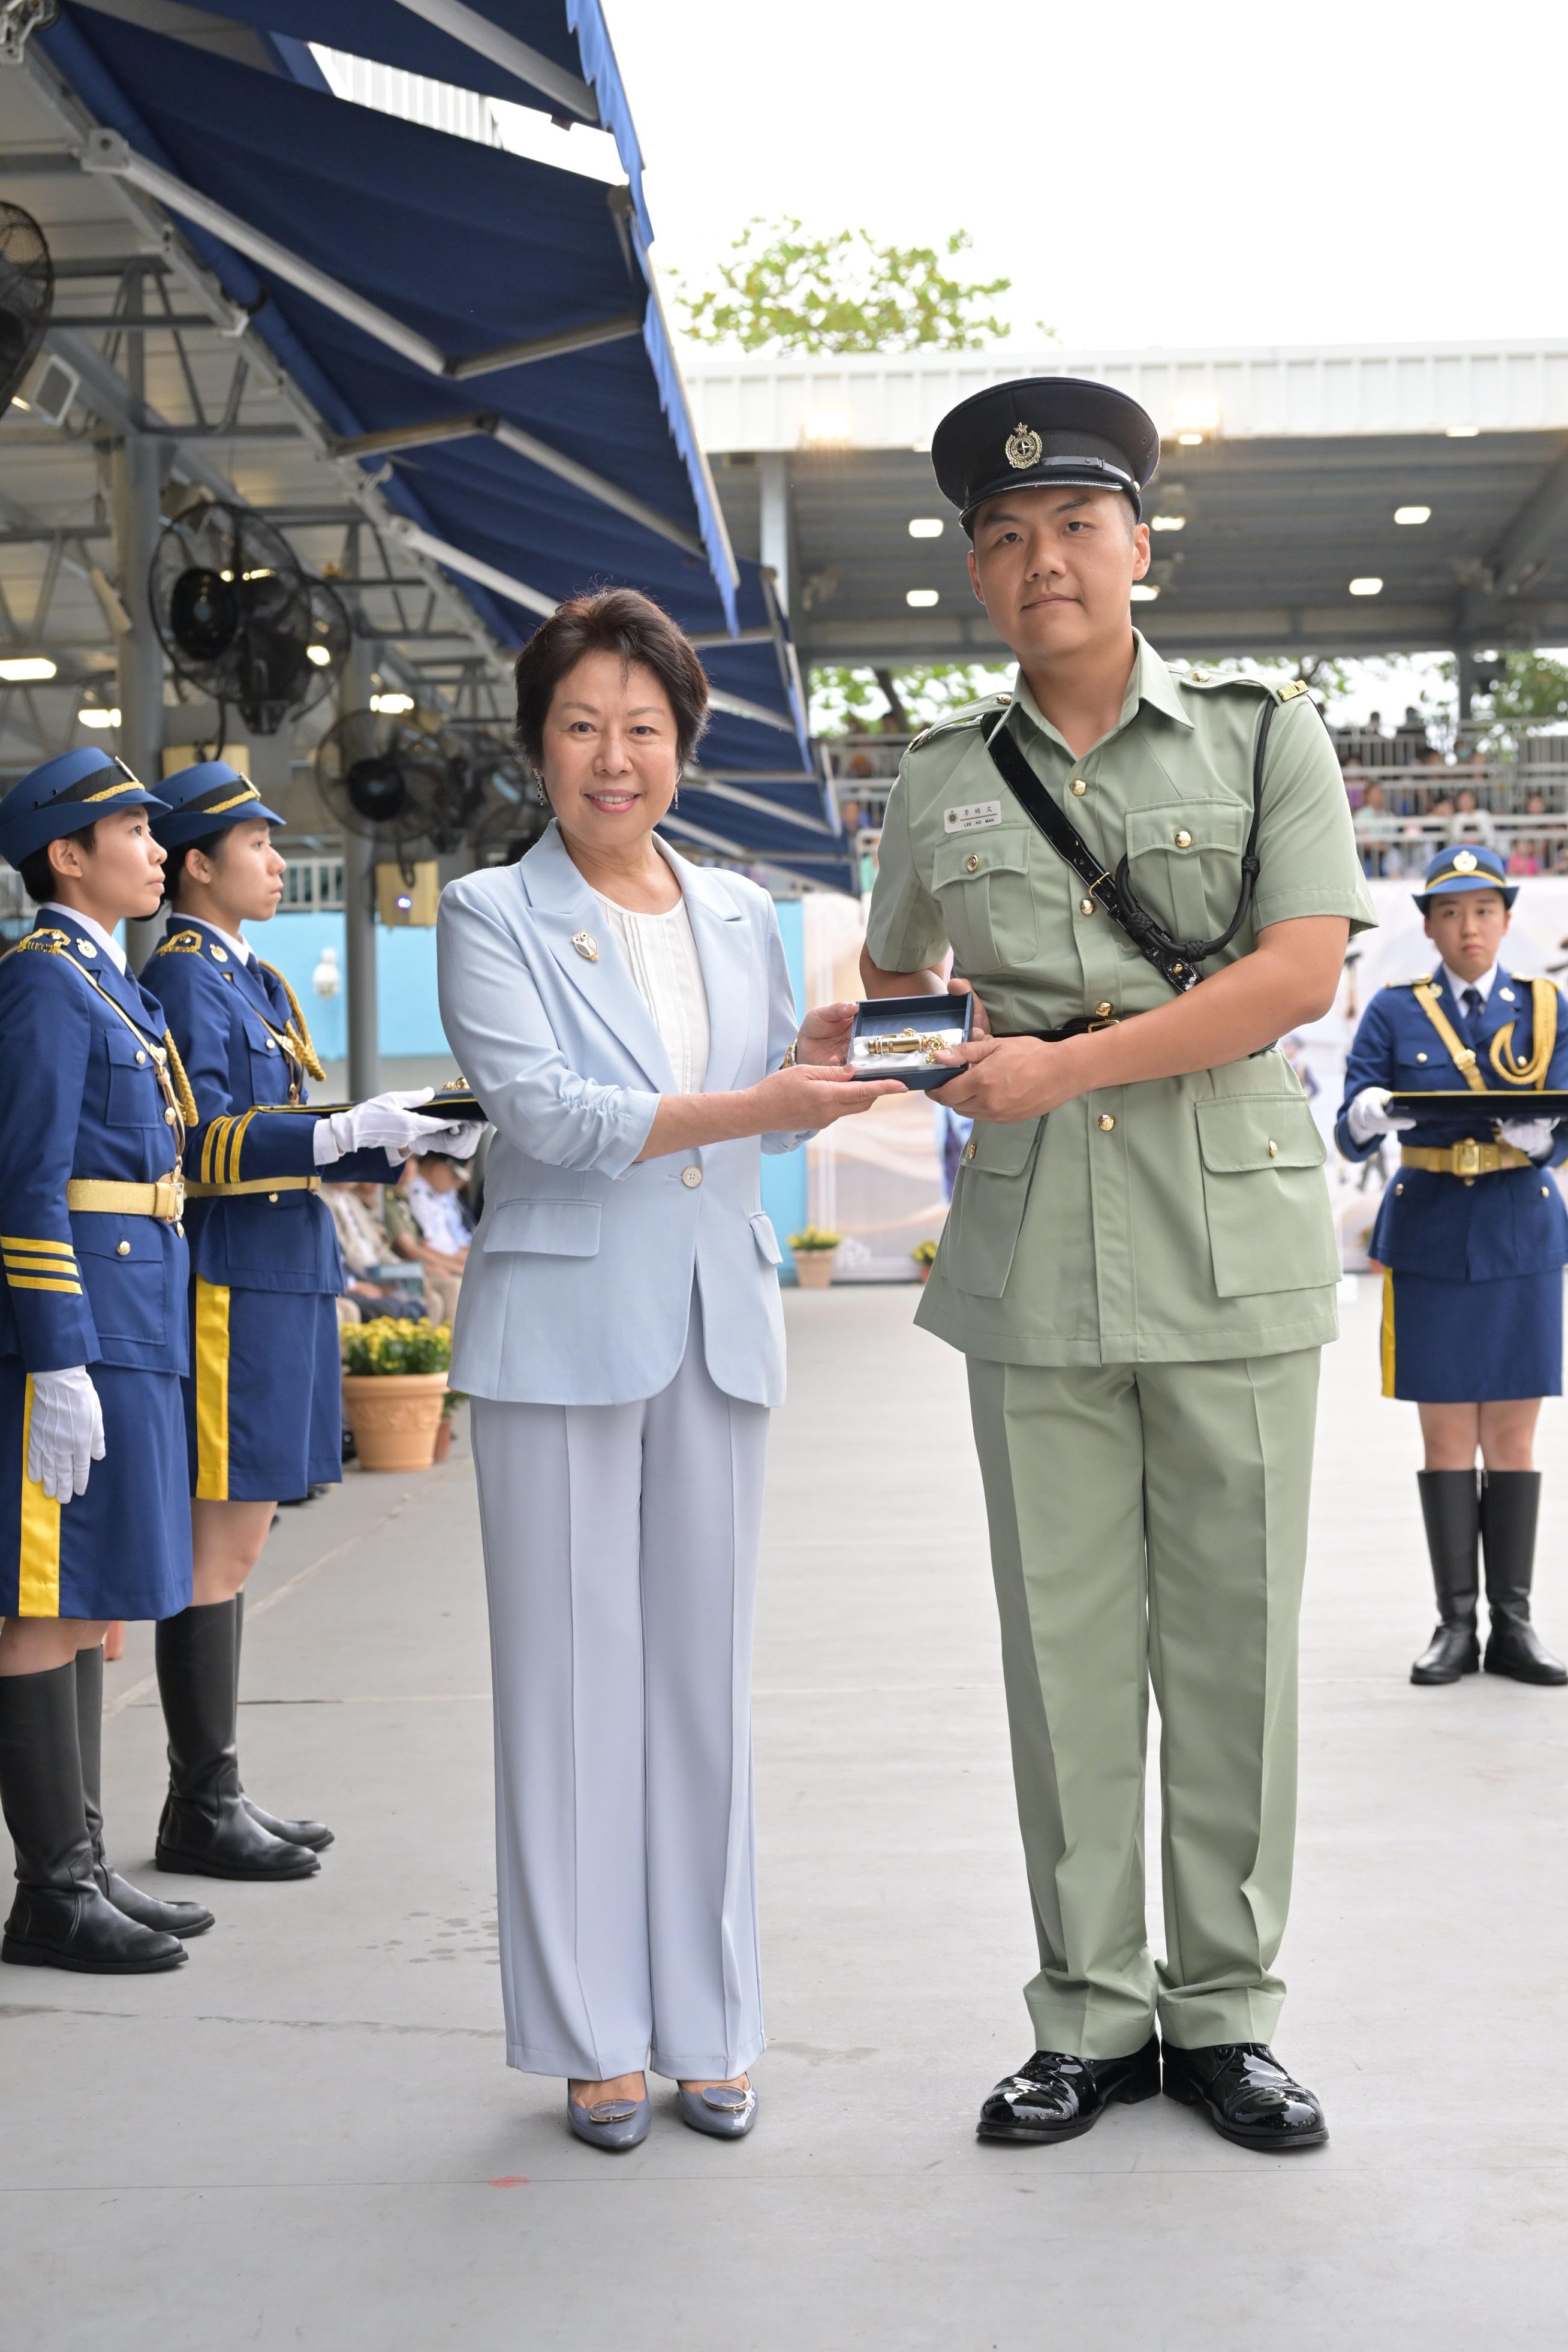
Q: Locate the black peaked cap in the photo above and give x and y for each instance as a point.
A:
(1044, 432)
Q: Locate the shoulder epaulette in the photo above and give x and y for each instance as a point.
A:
(51, 942)
(180, 943)
(1213, 678)
(969, 716)
(1417, 980)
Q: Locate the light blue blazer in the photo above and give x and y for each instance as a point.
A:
(579, 1280)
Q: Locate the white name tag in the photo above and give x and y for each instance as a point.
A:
(972, 817)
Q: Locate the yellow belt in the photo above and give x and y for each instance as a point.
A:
(165, 1199)
(1466, 1159)
(268, 1184)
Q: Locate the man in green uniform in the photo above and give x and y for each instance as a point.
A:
(1140, 1262)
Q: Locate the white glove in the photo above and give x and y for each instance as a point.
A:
(1531, 1135)
(1369, 1116)
(65, 1436)
(390, 1122)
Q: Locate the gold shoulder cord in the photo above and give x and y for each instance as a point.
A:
(297, 1035)
(1427, 997)
(1543, 1041)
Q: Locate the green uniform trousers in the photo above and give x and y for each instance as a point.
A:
(1148, 1522)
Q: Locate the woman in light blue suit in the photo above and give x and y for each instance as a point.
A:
(627, 1020)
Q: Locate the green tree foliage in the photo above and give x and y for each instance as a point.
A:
(1532, 692)
(897, 703)
(786, 291)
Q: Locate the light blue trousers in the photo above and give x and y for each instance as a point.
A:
(620, 1547)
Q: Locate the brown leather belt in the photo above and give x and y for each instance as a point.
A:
(165, 1200)
(1466, 1159)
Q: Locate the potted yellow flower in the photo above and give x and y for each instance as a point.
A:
(815, 1249)
(925, 1256)
(394, 1385)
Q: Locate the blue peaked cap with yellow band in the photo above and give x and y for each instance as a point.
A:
(207, 799)
(1467, 866)
(64, 796)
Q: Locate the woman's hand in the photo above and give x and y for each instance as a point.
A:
(812, 1094)
(825, 1034)
(1008, 1078)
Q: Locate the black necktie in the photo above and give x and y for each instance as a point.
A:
(1473, 1003)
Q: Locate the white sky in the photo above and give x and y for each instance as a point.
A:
(1240, 170)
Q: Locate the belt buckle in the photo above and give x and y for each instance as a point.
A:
(1468, 1157)
(169, 1197)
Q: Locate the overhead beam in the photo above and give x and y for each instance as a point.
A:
(1519, 553)
(701, 782)
(514, 56)
(456, 559)
(613, 329)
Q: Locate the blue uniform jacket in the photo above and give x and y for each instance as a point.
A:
(244, 1044)
(1511, 1222)
(81, 1098)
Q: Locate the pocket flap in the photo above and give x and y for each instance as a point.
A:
(101, 1234)
(973, 855)
(1003, 1151)
(1250, 1131)
(554, 1228)
(766, 1240)
(1208, 824)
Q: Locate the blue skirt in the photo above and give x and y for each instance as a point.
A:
(1471, 1342)
(264, 1400)
(123, 1548)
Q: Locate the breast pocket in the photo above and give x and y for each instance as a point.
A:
(268, 1065)
(1269, 1224)
(132, 1097)
(1183, 861)
(982, 882)
(550, 1228)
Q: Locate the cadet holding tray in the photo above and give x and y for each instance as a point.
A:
(1473, 1236)
(263, 1397)
(93, 1523)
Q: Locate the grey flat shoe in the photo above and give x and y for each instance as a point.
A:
(721, 2110)
(612, 2124)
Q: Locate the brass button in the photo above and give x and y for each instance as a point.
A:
(1184, 840)
(140, 1057)
(272, 1044)
(1273, 1148)
(1102, 1013)
(122, 1249)
(1546, 1191)
(169, 1119)
(1420, 1057)
(1105, 1122)
(969, 1150)
(1086, 906)
(1078, 786)
(691, 1178)
(1399, 1189)
(971, 863)
(272, 1196)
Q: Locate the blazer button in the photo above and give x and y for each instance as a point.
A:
(1086, 906)
(690, 1177)
(1183, 841)
(1546, 1191)
(272, 1196)
(970, 1150)
(1105, 1122)
(122, 1249)
(1397, 1189)
(140, 1057)
(272, 1044)
(1102, 1013)
(1078, 787)
(971, 864)
(1420, 1057)
(1273, 1148)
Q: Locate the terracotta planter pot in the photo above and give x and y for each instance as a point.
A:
(395, 1417)
(814, 1268)
(925, 1268)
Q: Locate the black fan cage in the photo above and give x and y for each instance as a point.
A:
(26, 296)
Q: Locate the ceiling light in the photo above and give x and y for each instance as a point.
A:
(921, 597)
(391, 706)
(926, 527)
(90, 714)
(1368, 586)
(320, 655)
(26, 670)
(1412, 514)
(1463, 432)
(826, 428)
(1167, 523)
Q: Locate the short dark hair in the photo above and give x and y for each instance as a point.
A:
(616, 621)
(38, 877)
(210, 845)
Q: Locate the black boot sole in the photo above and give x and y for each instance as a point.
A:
(1130, 2094)
(1186, 2095)
(1517, 1675)
(198, 1865)
(23, 1955)
(1434, 1681)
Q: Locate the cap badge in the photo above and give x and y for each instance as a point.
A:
(1025, 448)
(587, 946)
(1464, 861)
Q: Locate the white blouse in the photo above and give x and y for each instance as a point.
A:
(660, 954)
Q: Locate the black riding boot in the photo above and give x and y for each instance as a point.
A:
(1450, 1508)
(168, 1918)
(1510, 1504)
(315, 1834)
(205, 1830)
(61, 1919)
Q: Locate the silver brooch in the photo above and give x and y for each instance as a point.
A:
(587, 946)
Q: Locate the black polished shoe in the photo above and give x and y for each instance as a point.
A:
(204, 1831)
(147, 1910)
(1453, 1651)
(1247, 2096)
(1055, 2096)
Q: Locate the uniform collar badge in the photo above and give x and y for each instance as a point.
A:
(218, 954)
(86, 948)
(587, 946)
(1024, 447)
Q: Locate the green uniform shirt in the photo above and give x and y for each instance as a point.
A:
(1179, 1219)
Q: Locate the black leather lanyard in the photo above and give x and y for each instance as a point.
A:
(1175, 960)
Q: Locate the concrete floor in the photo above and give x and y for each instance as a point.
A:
(307, 2136)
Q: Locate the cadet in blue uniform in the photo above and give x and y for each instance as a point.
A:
(1474, 1237)
(93, 1523)
(263, 1396)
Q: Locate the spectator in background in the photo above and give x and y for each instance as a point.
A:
(367, 1247)
(1410, 741)
(430, 1224)
(1530, 854)
(1376, 831)
(1471, 821)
